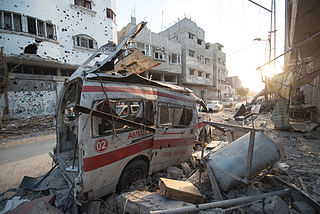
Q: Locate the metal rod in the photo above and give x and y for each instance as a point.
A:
(250, 155)
(221, 204)
(260, 5)
(232, 126)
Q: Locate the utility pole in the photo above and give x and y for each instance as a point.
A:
(271, 33)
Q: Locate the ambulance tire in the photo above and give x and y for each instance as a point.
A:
(134, 171)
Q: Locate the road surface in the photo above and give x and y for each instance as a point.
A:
(30, 159)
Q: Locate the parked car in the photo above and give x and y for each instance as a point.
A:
(228, 102)
(214, 105)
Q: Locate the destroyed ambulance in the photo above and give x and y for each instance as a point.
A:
(99, 150)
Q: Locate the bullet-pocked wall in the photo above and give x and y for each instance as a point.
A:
(56, 35)
(29, 99)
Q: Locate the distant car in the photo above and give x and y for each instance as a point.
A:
(228, 102)
(214, 105)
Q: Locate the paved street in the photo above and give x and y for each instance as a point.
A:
(29, 159)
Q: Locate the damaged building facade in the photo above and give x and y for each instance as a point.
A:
(184, 58)
(197, 69)
(163, 50)
(43, 44)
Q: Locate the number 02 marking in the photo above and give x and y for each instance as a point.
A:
(100, 145)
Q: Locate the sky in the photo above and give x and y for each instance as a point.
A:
(233, 23)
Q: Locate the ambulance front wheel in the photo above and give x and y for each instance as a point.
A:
(134, 171)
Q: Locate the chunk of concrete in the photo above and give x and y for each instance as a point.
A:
(175, 172)
(303, 207)
(142, 202)
(256, 208)
(275, 205)
(186, 168)
(180, 190)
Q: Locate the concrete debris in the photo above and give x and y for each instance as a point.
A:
(175, 172)
(283, 168)
(30, 205)
(143, 202)
(180, 190)
(13, 203)
(303, 207)
(186, 168)
(256, 208)
(275, 205)
(303, 126)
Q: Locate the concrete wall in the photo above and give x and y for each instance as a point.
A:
(36, 96)
(69, 20)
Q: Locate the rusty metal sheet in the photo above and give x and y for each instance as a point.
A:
(135, 62)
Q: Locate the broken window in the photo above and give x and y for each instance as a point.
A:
(200, 58)
(84, 41)
(111, 14)
(199, 73)
(50, 31)
(207, 46)
(7, 21)
(159, 55)
(41, 31)
(199, 41)
(17, 22)
(31, 25)
(174, 116)
(207, 76)
(207, 61)
(83, 3)
(191, 53)
(191, 35)
(135, 110)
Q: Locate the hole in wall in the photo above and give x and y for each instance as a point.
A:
(31, 49)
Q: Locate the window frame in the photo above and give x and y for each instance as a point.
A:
(84, 41)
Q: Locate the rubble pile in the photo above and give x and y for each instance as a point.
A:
(27, 127)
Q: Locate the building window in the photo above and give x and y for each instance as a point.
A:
(7, 21)
(191, 53)
(111, 14)
(83, 3)
(10, 21)
(191, 71)
(199, 73)
(147, 50)
(84, 41)
(17, 22)
(41, 31)
(199, 41)
(207, 76)
(31, 25)
(174, 58)
(200, 58)
(50, 31)
(207, 46)
(207, 61)
(191, 35)
(159, 55)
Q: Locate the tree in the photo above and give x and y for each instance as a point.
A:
(242, 91)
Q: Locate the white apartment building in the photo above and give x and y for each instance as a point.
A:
(197, 70)
(163, 50)
(45, 41)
